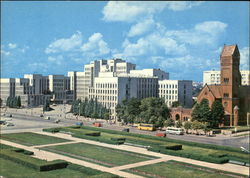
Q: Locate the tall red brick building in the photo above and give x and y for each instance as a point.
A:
(234, 97)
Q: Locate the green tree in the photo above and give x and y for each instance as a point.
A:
(196, 125)
(46, 106)
(217, 114)
(19, 102)
(187, 126)
(175, 104)
(169, 123)
(178, 124)
(202, 112)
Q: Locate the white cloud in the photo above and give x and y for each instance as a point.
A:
(182, 5)
(141, 27)
(12, 45)
(65, 44)
(132, 11)
(204, 33)
(244, 58)
(56, 59)
(95, 46)
(5, 53)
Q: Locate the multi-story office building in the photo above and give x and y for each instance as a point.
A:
(151, 72)
(77, 84)
(7, 89)
(176, 90)
(213, 77)
(39, 83)
(59, 85)
(110, 88)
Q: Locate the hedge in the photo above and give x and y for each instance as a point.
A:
(19, 150)
(37, 164)
(171, 146)
(93, 133)
(52, 130)
(217, 154)
(191, 156)
(100, 139)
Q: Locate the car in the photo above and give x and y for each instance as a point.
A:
(125, 130)
(10, 124)
(57, 121)
(41, 115)
(79, 123)
(10, 115)
(47, 118)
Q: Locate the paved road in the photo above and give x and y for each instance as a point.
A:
(35, 123)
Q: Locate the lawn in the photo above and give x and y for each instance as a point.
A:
(30, 139)
(174, 169)
(12, 169)
(99, 155)
(237, 156)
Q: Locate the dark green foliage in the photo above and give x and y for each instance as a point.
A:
(93, 133)
(187, 126)
(148, 110)
(217, 111)
(171, 146)
(18, 101)
(169, 123)
(13, 102)
(202, 112)
(175, 104)
(52, 130)
(31, 162)
(46, 106)
(218, 154)
(90, 108)
(1, 102)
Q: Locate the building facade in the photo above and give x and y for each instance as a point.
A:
(176, 90)
(213, 77)
(234, 97)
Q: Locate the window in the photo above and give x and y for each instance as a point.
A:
(226, 80)
(226, 95)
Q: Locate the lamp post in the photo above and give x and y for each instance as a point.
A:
(79, 110)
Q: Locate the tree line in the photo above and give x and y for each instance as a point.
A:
(14, 102)
(90, 108)
(148, 110)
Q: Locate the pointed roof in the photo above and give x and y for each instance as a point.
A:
(229, 50)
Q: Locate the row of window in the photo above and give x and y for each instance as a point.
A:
(168, 86)
(168, 91)
(106, 85)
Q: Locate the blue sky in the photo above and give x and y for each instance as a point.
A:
(182, 38)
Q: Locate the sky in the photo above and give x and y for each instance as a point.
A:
(182, 38)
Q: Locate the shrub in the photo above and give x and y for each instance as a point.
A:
(31, 162)
(118, 139)
(172, 146)
(93, 133)
(217, 154)
(52, 130)
(100, 139)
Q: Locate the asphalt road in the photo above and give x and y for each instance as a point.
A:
(24, 123)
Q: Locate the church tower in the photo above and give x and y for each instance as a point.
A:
(230, 80)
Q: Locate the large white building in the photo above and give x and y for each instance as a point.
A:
(213, 77)
(176, 90)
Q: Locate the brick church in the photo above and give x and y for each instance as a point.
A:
(235, 98)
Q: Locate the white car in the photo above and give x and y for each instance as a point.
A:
(10, 124)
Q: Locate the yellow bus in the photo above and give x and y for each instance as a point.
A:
(149, 127)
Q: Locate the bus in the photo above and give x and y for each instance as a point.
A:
(174, 130)
(149, 127)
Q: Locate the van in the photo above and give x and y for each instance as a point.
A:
(47, 118)
(149, 127)
(174, 130)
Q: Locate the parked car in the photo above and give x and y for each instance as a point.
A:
(79, 123)
(125, 130)
(41, 115)
(10, 124)
(10, 115)
(47, 118)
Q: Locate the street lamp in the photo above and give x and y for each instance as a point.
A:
(79, 110)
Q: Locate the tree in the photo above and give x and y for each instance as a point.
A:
(202, 112)
(178, 124)
(18, 101)
(175, 104)
(169, 123)
(187, 126)
(196, 125)
(46, 106)
(217, 113)
(1, 102)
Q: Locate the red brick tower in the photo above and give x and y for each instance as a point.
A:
(230, 80)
